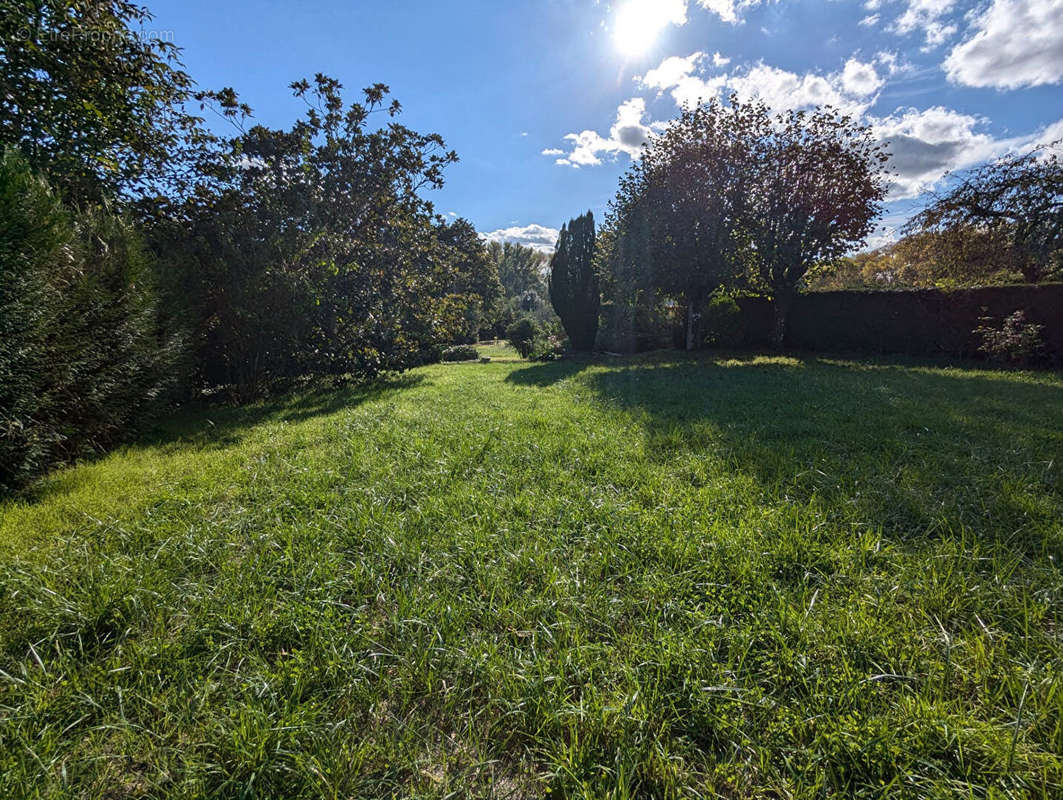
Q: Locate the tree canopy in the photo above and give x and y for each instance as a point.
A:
(1017, 202)
(319, 252)
(817, 187)
(730, 197)
(97, 103)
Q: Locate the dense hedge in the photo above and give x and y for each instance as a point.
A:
(927, 322)
(81, 355)
(461, 352)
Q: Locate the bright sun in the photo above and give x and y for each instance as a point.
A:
(638, 22)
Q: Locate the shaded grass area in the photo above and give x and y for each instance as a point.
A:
(665, 577)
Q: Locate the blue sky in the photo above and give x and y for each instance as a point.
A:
(547, 101)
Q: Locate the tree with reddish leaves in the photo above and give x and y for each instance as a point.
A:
(817, 187)
(686, 198)
(729, 196)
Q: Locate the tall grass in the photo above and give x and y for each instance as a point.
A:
(760, 577)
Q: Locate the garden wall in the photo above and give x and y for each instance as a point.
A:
(926, 322)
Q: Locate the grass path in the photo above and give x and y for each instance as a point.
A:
(761, 577)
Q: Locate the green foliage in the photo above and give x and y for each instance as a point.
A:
(522, 272)
(630, 579)
(520, 269)
(319, 254)
(523, 335)
(472, 284)
(819, 183)
(461, 352)
(926, 322)
(952, 258)
(677, 212)
(1013, 340)
(722, 322)
(95, 104)
(574, 282)
(81, 357)
(546, 348)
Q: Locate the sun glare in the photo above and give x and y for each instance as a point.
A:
(639, 22)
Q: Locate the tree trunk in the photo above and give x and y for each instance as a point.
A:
(781, 304)
(691, 326)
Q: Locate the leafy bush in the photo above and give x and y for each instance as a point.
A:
(546, 348)
(522, 334)
(1014, 341)
(722, 322)
(461, 352)
(81, 358)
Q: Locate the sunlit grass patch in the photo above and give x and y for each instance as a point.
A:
(498, 350)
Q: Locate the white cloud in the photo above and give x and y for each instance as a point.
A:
(889, 62)
(1050, 134)
(725, 9)
(924, 145)
(539, 237)
(1015, 43)
(720, 60)
(627, 135)
(927, 16)
(860, 79)
(553, 151)
(673, 69)
(729, 10)
(870, 21)
(852, 90)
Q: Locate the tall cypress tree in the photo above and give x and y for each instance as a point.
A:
(574, 282)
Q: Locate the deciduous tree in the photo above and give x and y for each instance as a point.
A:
(1017, 199)
(319, 254)
(97, 103)
(815, 190)
(686, 198)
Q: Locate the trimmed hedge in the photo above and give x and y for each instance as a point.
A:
(461, 352)
(925, 322)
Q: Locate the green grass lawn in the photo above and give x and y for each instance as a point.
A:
(500, 349)
(761, 577)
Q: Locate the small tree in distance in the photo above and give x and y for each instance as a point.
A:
(574, 282)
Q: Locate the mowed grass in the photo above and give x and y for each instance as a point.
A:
(499, 349)
(759, 577)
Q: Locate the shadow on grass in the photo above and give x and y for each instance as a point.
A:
(216, 426)
(896, 447)
(550, 372)
(229, 424)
